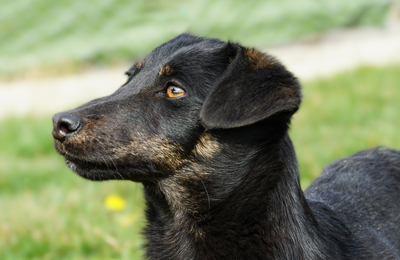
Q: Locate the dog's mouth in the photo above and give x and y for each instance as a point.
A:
(95, 162)
(91, 167)
(109, 169)
(94, 170)
(100, 163)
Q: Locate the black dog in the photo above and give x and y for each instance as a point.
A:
(203, 125)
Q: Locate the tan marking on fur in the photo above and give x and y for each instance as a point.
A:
(138, 65)
(175, 193)
(166, 71)
(207, 146)
(181, 202)
(152, 148)
(258, 60)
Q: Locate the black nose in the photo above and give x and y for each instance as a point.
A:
(65, 124)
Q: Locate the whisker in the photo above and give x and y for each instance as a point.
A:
(123, 140)
(116, 169)
(108, 168)
(205, 188)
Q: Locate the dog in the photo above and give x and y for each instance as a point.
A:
(203, 125)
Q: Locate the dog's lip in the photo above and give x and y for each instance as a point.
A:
(97, 171)
(110, 165)
(94, 170)
(87, 166)
(85, 163)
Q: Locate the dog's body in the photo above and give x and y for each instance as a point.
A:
(203, 125)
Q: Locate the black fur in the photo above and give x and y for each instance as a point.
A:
(218, 168)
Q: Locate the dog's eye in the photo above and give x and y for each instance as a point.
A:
(174, 91)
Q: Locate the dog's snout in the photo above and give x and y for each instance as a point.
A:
(65, 124)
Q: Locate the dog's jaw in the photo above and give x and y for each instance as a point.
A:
(94, 172)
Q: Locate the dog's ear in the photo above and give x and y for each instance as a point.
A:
(253, 87)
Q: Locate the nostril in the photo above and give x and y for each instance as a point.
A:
(64, 128)
(65, 124)
(68, 126)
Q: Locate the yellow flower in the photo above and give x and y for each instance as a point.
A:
(114, 202)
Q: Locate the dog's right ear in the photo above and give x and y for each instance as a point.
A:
(253, 87)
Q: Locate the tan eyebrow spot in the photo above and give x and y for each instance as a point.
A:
(138, 65)
(166, 71)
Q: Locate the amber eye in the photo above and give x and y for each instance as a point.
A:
(174, 91)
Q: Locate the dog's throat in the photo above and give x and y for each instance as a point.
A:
(189, 219)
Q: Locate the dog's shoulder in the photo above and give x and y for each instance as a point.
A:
(364, 190)
(374, 172)
(361, 170)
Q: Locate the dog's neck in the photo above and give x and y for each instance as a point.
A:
(224, 212)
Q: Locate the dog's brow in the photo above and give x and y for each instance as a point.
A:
(138, 65)
(165, 71)
(132, 70)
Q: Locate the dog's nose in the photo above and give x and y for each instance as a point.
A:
(65, 124)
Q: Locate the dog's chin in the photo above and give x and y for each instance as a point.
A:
(94, 174)
(102, 172)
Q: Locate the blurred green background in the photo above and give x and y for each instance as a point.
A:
(38, 34)
(47, 212)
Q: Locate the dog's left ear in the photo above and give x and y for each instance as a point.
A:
(254, 87)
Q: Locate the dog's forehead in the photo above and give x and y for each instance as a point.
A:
(184, 47)
(182, 54)
(192, 60)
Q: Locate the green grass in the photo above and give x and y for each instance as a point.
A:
(340, 116)
(54, 36)
(47, 212)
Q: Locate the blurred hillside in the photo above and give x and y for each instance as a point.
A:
(45, 37)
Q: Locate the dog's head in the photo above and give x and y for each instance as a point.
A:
(164, 115)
